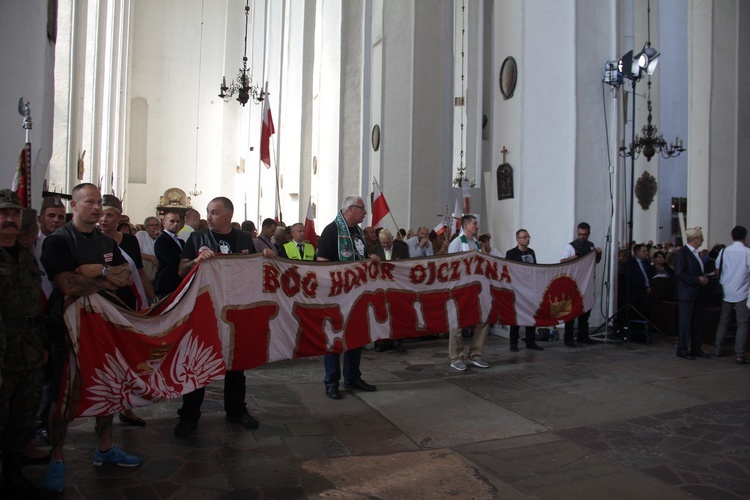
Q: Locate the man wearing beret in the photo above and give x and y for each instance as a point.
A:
(51, 218)
(23, 346)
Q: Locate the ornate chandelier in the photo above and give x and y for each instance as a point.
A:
(242, 85)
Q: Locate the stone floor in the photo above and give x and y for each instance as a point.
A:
(619, 420)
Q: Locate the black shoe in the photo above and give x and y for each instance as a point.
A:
(137, 422)
(333, 392)
(245, 420)
(700, 354)
(685, 356)
(20, 487)
(399, 347)
(37, 460)
(185, 427)
(513, 348)
(586, 340)
(380, 347)
(570, 343)
(534, 347)
(361, 385)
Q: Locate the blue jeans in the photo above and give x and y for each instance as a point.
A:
(351, 367)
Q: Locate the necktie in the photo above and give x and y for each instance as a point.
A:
(645, 274)
(301, 247)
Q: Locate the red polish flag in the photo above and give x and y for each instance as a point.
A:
(266, 132)
(457, 213)
(21, 179)
(439, 229)
(310, 236)
(379, 206)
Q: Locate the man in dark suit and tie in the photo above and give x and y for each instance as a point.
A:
(641, 274)
(690, 278)
(168, 249)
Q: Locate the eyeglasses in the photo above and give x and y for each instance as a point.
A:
(362, 207)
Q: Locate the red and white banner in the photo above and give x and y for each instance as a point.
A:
(240, 312)
(266, 131)
(379, 206)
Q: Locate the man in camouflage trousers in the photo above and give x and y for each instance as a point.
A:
(23, 346)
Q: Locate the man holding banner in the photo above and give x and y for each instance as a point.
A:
(343, 240)
(576, 249)
(465, 242)
(218, 238)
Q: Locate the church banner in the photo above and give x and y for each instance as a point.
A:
(240, 312)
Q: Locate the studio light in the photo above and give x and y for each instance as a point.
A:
(648, 58)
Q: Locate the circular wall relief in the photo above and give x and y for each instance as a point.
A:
(376, 137)
(508, 77)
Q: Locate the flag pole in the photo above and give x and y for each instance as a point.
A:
(25, 111)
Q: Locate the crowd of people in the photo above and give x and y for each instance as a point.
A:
(47, 262)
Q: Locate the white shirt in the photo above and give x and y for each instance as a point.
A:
(146, 242)
(459, 246)
(735, 271)
(415, 250)
(568, 252)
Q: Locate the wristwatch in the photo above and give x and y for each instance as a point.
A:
(105, 270)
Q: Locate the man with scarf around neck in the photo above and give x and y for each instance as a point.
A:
(343, 240)
(218, 238)
(574, 250)
(467, 241)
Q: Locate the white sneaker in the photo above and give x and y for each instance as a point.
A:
(480, 363)
(458, 365)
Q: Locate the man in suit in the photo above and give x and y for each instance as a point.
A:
(690, 278)
(387, 248)
(168, 249)
(641, 273)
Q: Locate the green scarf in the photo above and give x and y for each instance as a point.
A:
(347, 250)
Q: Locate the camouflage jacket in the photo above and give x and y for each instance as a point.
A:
(21, 308)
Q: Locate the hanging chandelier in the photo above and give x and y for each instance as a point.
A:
(651, 142)
(242, 85)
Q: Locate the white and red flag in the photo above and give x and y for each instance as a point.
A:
(457, 214)
(310, 236)
(379, 206)
(21, 180)
(266, 132)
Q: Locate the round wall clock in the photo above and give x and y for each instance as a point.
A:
(376, 137)
(508, 77)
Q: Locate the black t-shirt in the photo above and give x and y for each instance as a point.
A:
(516, 254)
(57, 257)
(328, 245)
(227, 243)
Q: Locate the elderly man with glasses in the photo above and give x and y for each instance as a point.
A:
(341, 241)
